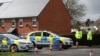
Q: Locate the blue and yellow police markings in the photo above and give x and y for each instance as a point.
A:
(16, 42)
(50, 39)
(38, 38)
(10, 42)
(56, 38)
(35, 38)
(61, 39)
(44, 39)
(32, 38)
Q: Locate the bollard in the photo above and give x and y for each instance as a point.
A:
(60, 47)
(35, 49)
(77, 44)
(91, 52)
(51, 48)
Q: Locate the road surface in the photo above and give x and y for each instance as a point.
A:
(81, 51)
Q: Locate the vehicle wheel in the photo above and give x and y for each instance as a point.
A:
(14, 47)
(39, 47)
(66, 47)
(25, 50)
(35, 45)
(69, 46)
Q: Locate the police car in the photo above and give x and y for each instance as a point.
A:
(44, 38)
(22, 44)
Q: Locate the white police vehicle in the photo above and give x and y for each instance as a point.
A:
(42, 39)
(23, 43)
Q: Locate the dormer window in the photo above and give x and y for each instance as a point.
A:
(34, 21)
(21, 22)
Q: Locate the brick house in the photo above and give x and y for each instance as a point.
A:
(22, 16)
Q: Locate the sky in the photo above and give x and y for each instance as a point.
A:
(92, 9)
(5, 1)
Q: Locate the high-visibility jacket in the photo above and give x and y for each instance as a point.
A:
(89, 35)
(78, 34)
(16, 42)
(4, 42)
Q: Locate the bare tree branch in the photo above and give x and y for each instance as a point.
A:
(76, 10)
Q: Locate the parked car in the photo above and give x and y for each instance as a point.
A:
(42, 39)
(24, 45)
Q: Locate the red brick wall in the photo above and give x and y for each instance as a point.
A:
(7, 25)
(55, 18)
(27, 26)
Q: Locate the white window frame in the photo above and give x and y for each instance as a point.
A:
(13, 21)
(2, 22)
(34, 21)
(20, 21)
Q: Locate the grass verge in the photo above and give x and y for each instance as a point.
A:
(11, 54)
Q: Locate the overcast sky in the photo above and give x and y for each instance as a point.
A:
(93, 9)
(5, 1)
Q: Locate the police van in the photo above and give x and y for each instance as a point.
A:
(12, 40)
(45, 38)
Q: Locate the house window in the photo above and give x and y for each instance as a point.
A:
(13, 22)
(2, 23)
(34, 21)
(21, 22)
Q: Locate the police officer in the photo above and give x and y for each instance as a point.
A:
(89, 37)
(78, 36)
(4, 43)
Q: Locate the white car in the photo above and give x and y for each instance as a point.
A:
(43, 37)
(23, 43)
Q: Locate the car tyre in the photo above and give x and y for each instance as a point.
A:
(40, 47)
(16, 48)
(66, 47)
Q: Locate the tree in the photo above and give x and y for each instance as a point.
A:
(87, 23)
(75, 9)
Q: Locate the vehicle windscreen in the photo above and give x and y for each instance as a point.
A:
(54, 34)
(11, 36)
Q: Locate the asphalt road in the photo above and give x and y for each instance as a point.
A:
(81, 51)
